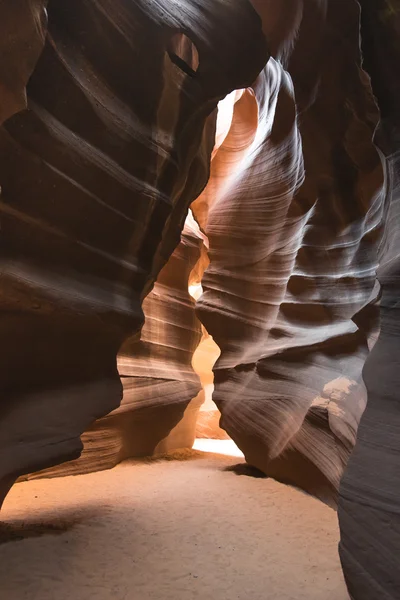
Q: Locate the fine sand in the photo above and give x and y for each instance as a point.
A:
(188, 527)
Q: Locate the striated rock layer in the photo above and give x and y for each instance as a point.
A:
(161, 391)
(96, 177)
(369, 513)
(100, 161)
(293, 213)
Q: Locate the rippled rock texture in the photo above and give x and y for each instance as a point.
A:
(162, 392)
(100, 161)
(293, 215)
(97, 176)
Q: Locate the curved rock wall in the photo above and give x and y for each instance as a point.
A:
(160, 387)
(369, 495)
(97, 177)
(100, 161)
(293, 213)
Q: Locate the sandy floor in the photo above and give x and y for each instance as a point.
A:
(189, 529)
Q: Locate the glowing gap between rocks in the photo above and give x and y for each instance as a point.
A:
(225, 447)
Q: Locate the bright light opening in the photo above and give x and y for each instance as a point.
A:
(225, 447)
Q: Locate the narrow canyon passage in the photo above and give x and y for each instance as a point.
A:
(199, 244)
(185, 528)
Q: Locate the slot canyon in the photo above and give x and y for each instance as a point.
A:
(200, 281)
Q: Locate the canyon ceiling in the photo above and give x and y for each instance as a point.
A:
(246, 149)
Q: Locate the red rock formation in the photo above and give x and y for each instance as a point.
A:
(207, 425)
(97, 176)
(295, 214)
(24, 24)
(160, 387)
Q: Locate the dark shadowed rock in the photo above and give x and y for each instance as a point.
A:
(369, 495)
(97, 176)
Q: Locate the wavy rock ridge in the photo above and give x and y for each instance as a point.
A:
(293, 214)
(110, 164)
(97, 172)
(161, 390)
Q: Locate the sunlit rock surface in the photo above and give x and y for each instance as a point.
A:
(293, 214)
(97, 177)
(208, 419)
